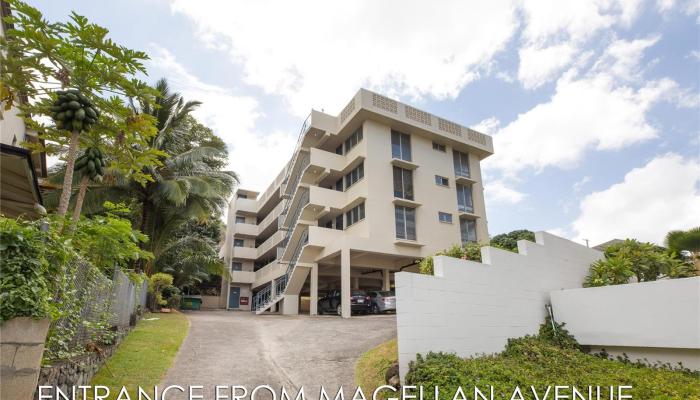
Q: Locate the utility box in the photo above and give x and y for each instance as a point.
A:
(191, 303)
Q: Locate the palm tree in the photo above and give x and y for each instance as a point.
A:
(189, 183)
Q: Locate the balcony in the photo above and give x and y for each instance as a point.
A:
(269, 272)
(243, 229)
(246, 205)
(242, 276)
(246, 253)
(463, 178)
(271, 217)
(269, 245)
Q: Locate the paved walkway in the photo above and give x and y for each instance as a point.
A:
(239, 348)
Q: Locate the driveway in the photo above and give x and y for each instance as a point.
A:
(239, 348)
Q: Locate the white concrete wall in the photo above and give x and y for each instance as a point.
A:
(657, 320)
(470, 308)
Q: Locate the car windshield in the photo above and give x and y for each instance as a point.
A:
(386, 293)
(358, 293)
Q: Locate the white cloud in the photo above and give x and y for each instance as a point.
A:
(580, 183)
(488, 126)
(539, 65)
(500, 192)
(317, 53)
(622, 58)
(556, 32)
(604, 108)
(650, 201)
(576, 20)
(232, 118)
(665, 5)
(583, 114)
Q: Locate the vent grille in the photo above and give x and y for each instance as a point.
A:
(385, 103)
(449, 127)
(476, 137)
(418, 115)
(347, 111)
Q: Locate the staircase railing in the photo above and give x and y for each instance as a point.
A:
(264, 297)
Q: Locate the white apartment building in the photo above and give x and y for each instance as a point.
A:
(366, 193)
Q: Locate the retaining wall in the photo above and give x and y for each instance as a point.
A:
(658, 321)
(471, 308)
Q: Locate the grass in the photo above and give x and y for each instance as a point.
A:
(370, 368)
(145, 355)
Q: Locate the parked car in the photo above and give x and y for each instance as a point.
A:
(382, 301)
(360, 302)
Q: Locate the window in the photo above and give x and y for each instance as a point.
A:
(405, 222)
(400, 146)
(356, 214)
(403, 183)
(445, 217)
(464, 198)
(353, 140)
(236, 266)
(238, 243)
(242, 196)
(355, 175)
(439, 147)
(339, 185)
(240, 220)
(339, 150)
(461, 163)
(339, 222)
(467, 229)
(442, 181)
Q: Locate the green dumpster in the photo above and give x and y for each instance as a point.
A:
(191, 302)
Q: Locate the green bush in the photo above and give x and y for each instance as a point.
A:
(631, 258)
(509, 241)
(469, 251)
(533, 360)
(25, 290)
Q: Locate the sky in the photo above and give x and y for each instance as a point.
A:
(593, 105)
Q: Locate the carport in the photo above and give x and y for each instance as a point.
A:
(349, 270)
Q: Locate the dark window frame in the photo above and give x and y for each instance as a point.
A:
(355, 215)
(445, 218)
(439, 147)
(466, 234)
(401, 146)
(442, 181)
(405, 223)
(460, 162)
(465, 203)
(355, 175)
(403, 188)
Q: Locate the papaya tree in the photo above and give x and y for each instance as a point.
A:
(71, 72)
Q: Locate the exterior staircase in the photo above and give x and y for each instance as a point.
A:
(271, 294)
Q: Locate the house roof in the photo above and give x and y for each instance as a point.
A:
(19, 189)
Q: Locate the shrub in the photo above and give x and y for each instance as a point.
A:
(631, 258)
(24, 287)
(541, 362)
(470, 251)
(509, 241)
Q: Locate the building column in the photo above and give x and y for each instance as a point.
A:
(273, 308)
(355, 283)
(313, 305)
(386, 280)
(345, 283)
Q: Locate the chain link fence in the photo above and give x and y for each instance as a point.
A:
(92, 305)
